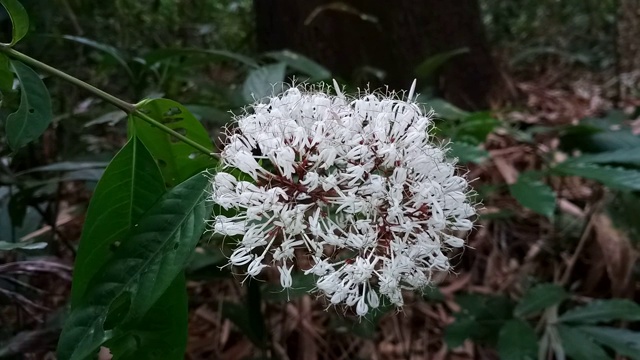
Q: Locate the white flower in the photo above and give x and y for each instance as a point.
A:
(356, 186)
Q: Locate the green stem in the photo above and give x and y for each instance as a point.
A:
(119, 103)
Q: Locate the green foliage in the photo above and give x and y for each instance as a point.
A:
(301, 63)
(177, 160)
(574, 345)
(19, 20)
(145, 264)
(539, 298)
(467, 153)
(109, 50)
(480, 318)
(517, 341)
(248, 316)
(161, 333)
(603, 311)
(615, 178)
(6, 76)
(625, 342)
(484, 317)
(534, 194)
(130, 185)
(34, 113)
(572, 32)
(426, 70)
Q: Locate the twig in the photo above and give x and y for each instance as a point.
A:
(581, 243)
(130, 109)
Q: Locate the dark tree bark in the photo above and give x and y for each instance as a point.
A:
(392, 36)
(628, 49)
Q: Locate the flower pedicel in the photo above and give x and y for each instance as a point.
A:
(355, 185)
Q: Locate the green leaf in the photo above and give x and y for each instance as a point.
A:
(539, 298)
(625, 342)
(578, 346)
(446, 110)
(480, 318)
(615, 178)
(476, 127)
(301, 63)
(142, 268)
(534, 195)
(594, 135)
(428, 67)
(629, 156)
(162, 333)
(517, 341)
(603, 311)
(239, 315)
(6, 76)
(19, 20)
(130, 185)
(460, 330)
(111, 51)
(177, 160)
(260, 82)
(6, 246)
(467, 153)
(34, 113)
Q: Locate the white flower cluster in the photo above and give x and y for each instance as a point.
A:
(355, 186)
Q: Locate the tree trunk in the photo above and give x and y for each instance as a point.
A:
(628, 48)
(353, 36)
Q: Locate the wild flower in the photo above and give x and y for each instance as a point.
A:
(357, 187)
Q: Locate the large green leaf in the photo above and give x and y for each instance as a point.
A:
(517, 341)
(615, 178)
(142, 268)
(177, 160)
(162, 333)
(539, 298)
(579, 346)
(603, 311)
(34, 113)
(260, 82)
(621, 156)
(534, 194)
(623, 341)
(130, 185)
(19, 20)
(301, 63)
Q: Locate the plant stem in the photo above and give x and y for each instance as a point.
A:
(128, 108)
(121, 104)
